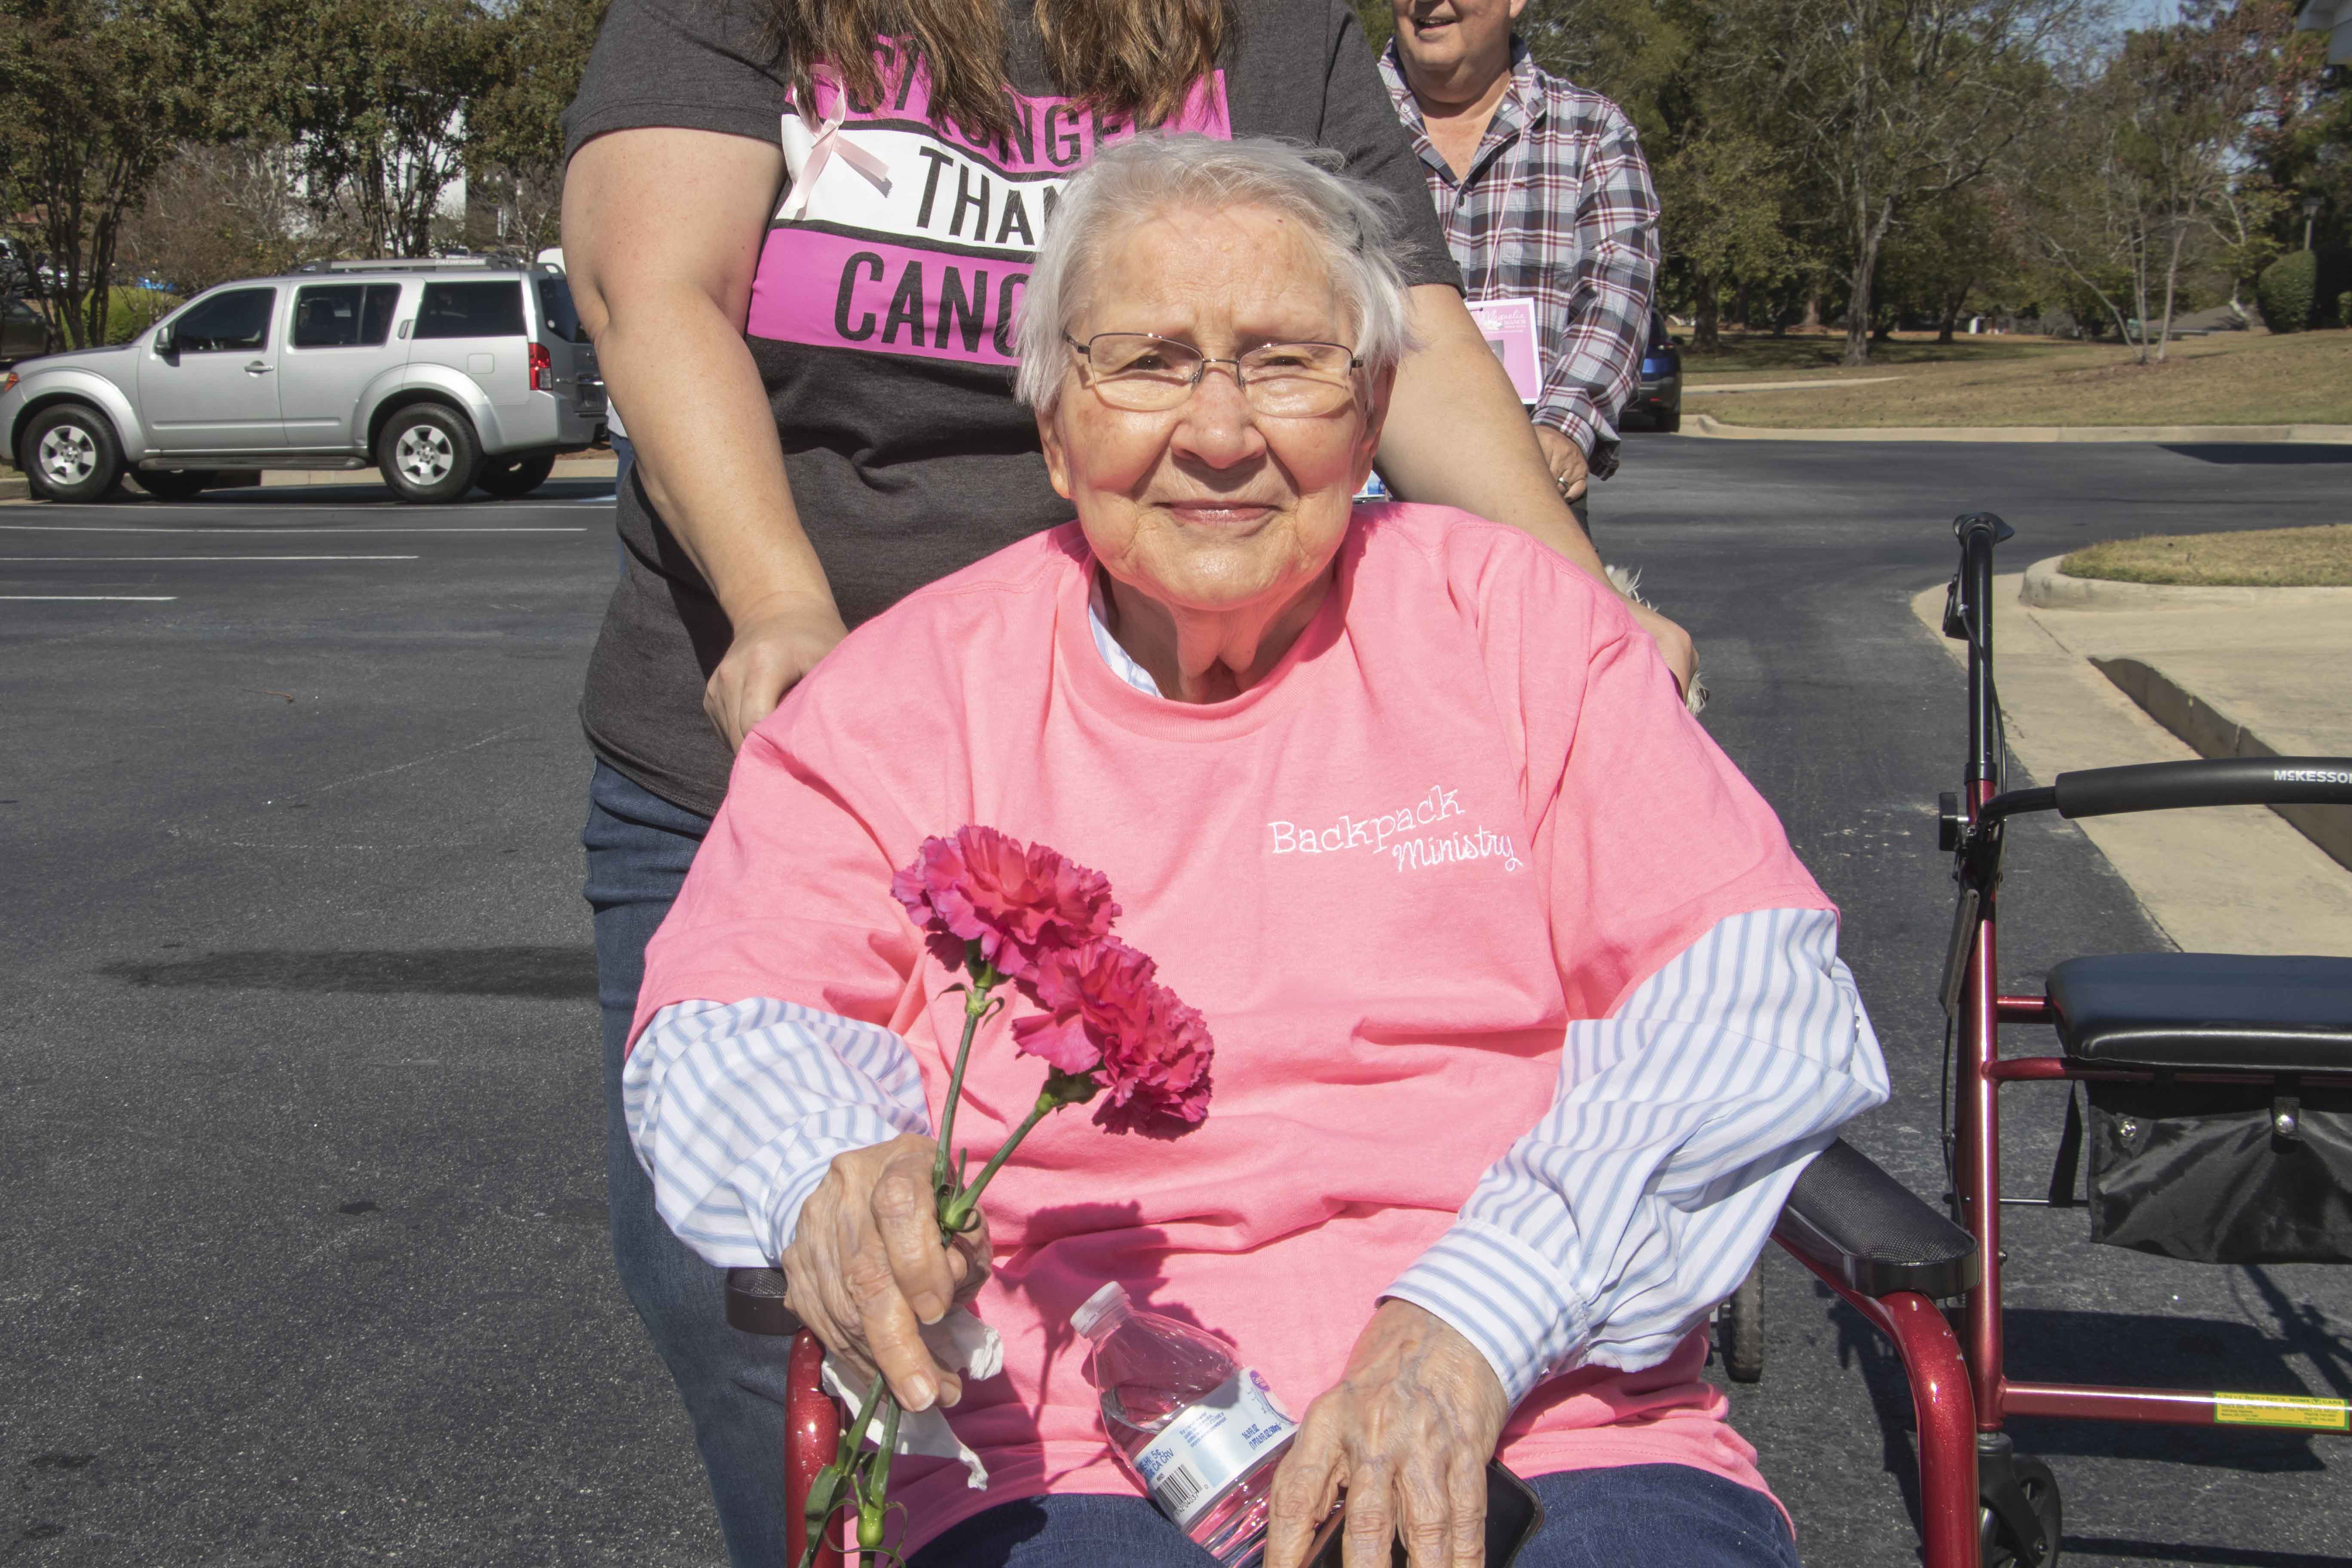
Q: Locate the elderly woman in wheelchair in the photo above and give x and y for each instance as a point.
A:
(1526, 1017)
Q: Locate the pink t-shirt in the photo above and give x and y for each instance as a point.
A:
(1466, 808)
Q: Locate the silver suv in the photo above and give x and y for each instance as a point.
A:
(443, 374)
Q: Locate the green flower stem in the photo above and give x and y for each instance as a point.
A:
(960, 1208)
(874, 1502)
(976, 1004)
(849, 1467)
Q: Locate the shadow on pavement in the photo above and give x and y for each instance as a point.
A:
(2119, 1350)
(555, 974)
(366, 493)
(2268, 455)
(2171, 1552)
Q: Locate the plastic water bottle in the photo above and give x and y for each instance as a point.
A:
(1197, 1428)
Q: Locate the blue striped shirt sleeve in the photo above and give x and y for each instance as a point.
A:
(1642, 1196)
(736, 1112)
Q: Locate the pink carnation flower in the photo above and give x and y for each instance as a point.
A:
(1110, 1021)
(1019, 902)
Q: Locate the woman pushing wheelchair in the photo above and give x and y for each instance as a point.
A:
(1526, 1017)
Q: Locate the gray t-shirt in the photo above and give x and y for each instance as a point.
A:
(881, 309)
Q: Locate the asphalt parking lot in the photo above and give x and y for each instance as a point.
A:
(304, 1170)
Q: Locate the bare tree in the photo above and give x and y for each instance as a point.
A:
(222, 212)
(1898, 102)
(2146, 176)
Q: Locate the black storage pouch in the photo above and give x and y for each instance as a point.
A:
(2222, 1172)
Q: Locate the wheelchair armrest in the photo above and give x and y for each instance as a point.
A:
(755, 1302)
(1852, 1219)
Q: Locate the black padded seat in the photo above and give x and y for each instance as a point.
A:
(2214, 1010)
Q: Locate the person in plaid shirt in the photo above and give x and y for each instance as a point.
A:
(1545, 195)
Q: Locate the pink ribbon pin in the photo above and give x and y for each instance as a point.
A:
(830, 139)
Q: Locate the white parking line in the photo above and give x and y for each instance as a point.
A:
(102, 560)
(116, 528)
(92, 598)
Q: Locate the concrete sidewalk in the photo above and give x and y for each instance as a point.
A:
(2084, 685)
(2234, 673)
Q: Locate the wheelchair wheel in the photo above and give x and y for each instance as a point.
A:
(1998, 1546)
(1739, 1329)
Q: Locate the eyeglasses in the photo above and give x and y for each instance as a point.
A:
(1145, 373)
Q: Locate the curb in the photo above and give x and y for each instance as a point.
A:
(2213, 881)
(16, 488)
(2210, 733)
(1707, 425)
(2047, 588)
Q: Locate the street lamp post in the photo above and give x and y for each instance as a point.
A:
(2310, 206)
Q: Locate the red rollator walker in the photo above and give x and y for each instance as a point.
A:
(2220, 1130)
(2219, 1086)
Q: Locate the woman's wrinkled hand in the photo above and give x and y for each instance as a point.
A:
(866, 1270)
(1406, 1434)
(775, 644)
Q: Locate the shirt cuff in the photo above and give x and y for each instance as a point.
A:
(1502, 1298)
(1574, 422)
(846, 1129)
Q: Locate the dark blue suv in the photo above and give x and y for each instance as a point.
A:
(1658, 395)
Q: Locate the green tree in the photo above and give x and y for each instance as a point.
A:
(95, 97)
(1952, 249)
(537, 50)
(373, 95)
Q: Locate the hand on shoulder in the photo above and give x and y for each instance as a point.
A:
(781, 641)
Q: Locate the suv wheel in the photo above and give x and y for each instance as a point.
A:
(171, 484)
(507, 478)
(69, 454)
(428, 453)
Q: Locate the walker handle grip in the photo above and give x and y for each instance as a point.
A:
(2221, 781)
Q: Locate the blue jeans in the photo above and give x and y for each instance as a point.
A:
(1593, 1519)
(639, 846)
(624, 458)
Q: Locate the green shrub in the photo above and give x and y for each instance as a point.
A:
(131, 312)
(2285, 290)
(2343, 309)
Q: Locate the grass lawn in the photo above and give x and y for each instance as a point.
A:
(2272, 558)
(2230, 378)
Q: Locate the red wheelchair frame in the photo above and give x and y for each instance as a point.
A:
(1885, 1252)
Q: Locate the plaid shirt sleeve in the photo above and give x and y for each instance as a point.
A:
(1594, 360)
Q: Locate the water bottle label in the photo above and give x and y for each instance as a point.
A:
(1213, 1444)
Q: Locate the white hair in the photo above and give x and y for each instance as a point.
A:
(1352, 224)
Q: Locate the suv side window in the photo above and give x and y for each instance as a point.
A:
(343, 315)
(238, 319)
(472, 311)
(556, 310)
